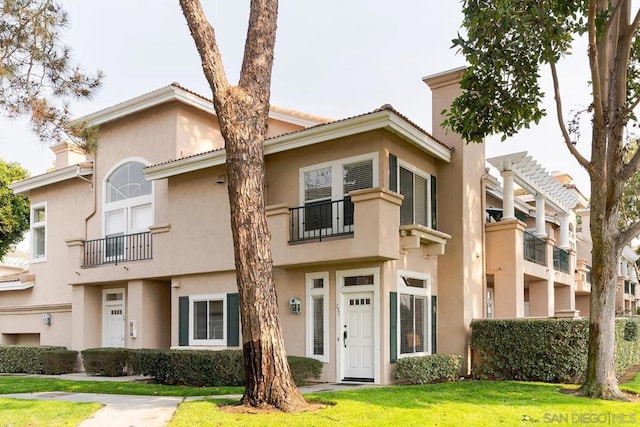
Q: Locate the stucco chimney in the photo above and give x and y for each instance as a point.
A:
(460, 206)
(68, 154)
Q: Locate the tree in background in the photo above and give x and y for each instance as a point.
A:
(36, 76)
(506, 44)
(242, 112)
(14, 209)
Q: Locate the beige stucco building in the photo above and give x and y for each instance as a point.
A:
(381, 244)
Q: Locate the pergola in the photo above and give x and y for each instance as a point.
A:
(531, 176)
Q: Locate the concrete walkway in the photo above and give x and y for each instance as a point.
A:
(139, 411)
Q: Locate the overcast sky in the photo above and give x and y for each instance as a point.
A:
(334, 58)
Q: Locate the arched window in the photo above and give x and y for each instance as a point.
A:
(128, 205)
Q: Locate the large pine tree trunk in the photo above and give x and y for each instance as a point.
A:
(242, 113)
(268, 378)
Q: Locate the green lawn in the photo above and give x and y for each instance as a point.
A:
(23, 384)
(467, 403)
(17, 412)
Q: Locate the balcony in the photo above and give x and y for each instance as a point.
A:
(118, 249)
(321, 220)
(535, 249)
(560, 260)
(363, 226)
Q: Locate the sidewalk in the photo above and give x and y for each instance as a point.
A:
(139, 411)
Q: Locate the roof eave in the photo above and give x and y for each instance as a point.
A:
(382, 119)
(26, 185)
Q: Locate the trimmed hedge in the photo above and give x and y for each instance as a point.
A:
(23, 358)
(428, 369)
(59, 362)
(108, 362)
(207, 368)
(549, 350)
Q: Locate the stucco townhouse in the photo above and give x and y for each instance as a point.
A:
(381, 242)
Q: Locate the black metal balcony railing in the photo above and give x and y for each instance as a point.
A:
(319, 220)
(118, 249)
(535, 249)
(560, 260)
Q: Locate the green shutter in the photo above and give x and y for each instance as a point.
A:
(434, 203)
(233, 319)
(434, 324)
(393, 173)
(183, 321)
(393, 327)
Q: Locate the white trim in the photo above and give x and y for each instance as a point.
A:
(378, 120)
(26, 185)
(208, 297)
(341, 290)
(16, 285)
(311, 293)
(403, 289)
(38, 225)
(105, 314)
(168, 94)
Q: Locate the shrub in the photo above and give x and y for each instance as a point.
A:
(23, 358)
(428, 369)
(550, 350)
(108, 362)
(58, 362)
(207, 368)
(627, 344)
(304, 368)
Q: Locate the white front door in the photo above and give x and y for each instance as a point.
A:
(357, 337)
(113, 316)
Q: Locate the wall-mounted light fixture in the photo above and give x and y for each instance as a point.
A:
(46, 319)
(221, 179)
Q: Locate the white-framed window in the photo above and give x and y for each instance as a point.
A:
(38, 232)
(128, 201)
(128, 204)
(418, 206)
(324, 190)
(208, 319)
(318, 316)
(414, 309)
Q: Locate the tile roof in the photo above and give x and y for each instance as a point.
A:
(385, 107)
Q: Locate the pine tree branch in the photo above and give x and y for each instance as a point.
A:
(205, 40)
(255, 75)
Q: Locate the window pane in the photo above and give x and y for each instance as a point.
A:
(421, 197)
(114, 222)
(317, 215)
(39, 215)
(200, 320)
(216, 323)
(358, 280)
(415, 283)
(141, 217)
(406, 324)
(317, 184)
(126, 182)
(38, 242)
(317, 283)
(318, 325)
(358, 176)
(406, 189)
(420, 323)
